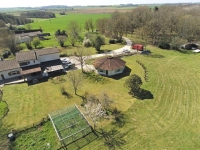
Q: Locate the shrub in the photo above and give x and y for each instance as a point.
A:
(118, 40)
(112, 41)
(28, 45)
(87, 43)
(6, 54)
(164, 45)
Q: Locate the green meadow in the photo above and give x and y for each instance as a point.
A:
(62, 21)
(168, 121)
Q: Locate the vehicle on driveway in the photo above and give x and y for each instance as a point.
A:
(146, 52)
(67, 63)
(126, 51)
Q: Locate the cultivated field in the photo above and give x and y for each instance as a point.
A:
(169, 121)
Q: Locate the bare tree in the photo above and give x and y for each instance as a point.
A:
(81, 56)
(9, 40)
(76, 80)
(61, 40)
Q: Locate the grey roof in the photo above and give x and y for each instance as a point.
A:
(8, 65)
(23, 56)
(31, 34)
(47, 51)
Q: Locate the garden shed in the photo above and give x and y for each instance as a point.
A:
(109, 66)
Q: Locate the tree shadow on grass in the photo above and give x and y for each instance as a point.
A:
(143, 94)
(79, 143)
(125, 73)
(113, 139)
(119, 118)
(67, 94)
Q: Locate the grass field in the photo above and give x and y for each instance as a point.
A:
(62, 21)
(169, 121)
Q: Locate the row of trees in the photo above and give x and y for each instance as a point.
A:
(38, 14)
(15, 20)
(173, 25)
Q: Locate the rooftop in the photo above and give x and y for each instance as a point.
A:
(29, 34)
(109, 63)
(47, 51)
(23, 56)
(8, 65)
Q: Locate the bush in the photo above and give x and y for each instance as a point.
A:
(87, 43)
(118, 40)
(164, 45)
(28, 45)
(112, 41)
(6, 54)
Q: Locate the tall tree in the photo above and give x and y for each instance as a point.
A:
(87, 26)
(98, 42)
(75, 79)
(133, 83)
(8, 39)
(73, 32)
(81, 56)
(91, 25)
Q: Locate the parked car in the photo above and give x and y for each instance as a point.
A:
(65, 59)
(146, 52)
(126, 51)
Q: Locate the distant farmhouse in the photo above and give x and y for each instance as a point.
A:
(27, 37)
(26, 65)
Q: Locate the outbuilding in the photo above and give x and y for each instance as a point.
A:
(109, 66)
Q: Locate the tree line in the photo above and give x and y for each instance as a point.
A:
(15, 20)
(38, 14)
(166, 26)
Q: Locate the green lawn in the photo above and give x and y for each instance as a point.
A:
(3, 107)
(61, 22)
(169, 121)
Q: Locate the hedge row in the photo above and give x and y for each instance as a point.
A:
(145, 70)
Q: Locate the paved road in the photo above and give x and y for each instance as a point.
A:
(111, 53)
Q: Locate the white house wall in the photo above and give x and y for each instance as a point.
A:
(6, 76)
(111, 72)
(49, 57)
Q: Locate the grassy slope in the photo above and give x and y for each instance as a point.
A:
(169, 121)
(2, 108)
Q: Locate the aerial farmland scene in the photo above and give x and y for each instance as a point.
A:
(100, 75)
